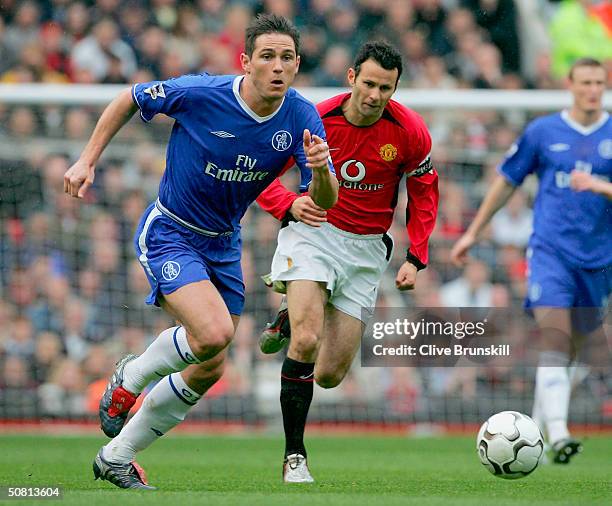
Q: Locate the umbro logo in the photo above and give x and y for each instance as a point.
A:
(223, 134)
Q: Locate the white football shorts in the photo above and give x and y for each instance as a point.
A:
(351, 265)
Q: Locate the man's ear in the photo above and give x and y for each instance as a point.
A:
(351, 76)
(245, 62)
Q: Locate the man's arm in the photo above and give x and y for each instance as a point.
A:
(277, 200)
(497, 196)
(581, 181)
(80, 176)
(324, 185)
(421, 215)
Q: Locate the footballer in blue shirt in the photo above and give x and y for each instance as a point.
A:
(231, 138)
(570, 249)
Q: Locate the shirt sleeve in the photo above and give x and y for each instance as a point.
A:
(423, 196)
(166, 97)
(421, 214)
(276, 199)
(313, 122)
(521, 159)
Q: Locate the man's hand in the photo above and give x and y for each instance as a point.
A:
(406, 277)
(460, 250)
(79, 178)
(305, 210)
(316, 150)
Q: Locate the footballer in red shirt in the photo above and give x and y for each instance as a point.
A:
(332, 261)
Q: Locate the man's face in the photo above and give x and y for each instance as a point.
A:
(372, 89)
(273, 65)
(587, 85)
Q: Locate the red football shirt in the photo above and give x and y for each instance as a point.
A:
(370, 163)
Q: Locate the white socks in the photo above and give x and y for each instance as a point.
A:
(163, 408)
(169, 353)
(552, 394)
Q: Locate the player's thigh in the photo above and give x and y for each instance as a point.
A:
(202, 311)
(306, 303)
(339, 344)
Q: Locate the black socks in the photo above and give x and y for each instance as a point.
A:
(297, 380)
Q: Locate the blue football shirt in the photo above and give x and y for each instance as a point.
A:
(221, 155)
(578, 225)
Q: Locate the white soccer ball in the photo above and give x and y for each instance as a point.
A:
(510, 445)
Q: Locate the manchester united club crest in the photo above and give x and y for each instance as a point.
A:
(388, 152)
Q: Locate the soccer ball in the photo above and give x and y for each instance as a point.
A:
(510, 445)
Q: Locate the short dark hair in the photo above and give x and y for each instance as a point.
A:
(382, 53)
(583, 62)
(270, 23)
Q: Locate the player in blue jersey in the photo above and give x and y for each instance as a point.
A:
(570, 250)
(231, 137)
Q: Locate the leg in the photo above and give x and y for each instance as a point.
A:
(206, 330)
(306, 301)
(552, 393)
(164, 407)
(338, 347)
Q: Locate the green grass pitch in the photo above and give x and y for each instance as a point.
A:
(245, 470)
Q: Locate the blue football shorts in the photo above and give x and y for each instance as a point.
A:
(553, 282)
(174, 256)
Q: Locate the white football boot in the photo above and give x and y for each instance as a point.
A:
(295, 469)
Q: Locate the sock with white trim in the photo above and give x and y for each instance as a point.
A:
(169, 353)
(553, 394)
(163, 408)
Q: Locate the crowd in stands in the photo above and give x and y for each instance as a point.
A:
(71, 289)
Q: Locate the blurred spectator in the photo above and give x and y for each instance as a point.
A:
(150, 47)
(488, 67)
(431, 17)
(133, 21)
(94, 53)
(24, 28)
(48, 352)
(18, 398)
(333, 71)
(64, 394)
(237, 19)
(499, 19)
(185, 31)
(76, 319)
(77, 22)
(6, 55)
(22, 123)
(512, 225)
(21, 342)
(472, 289)
(55, 49)
(47, 312)
(576, 30)
(341, 25)
(212, 14)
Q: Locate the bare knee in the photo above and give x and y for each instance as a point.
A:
(329, 379)
(208, 341)
(303, 346)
